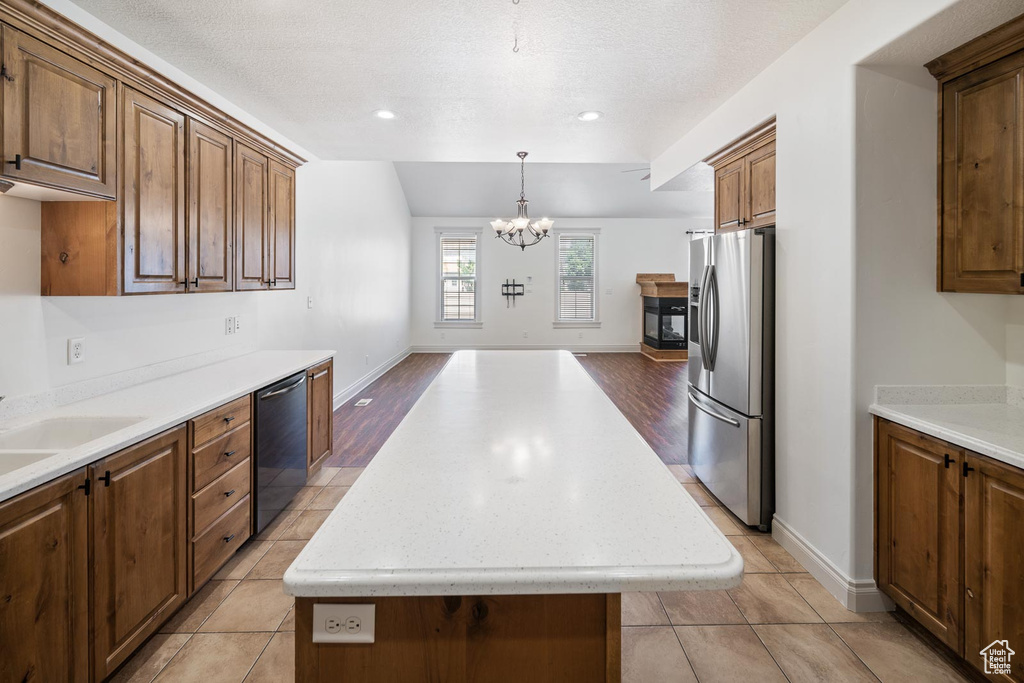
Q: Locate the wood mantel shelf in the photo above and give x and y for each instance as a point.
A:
(661, 285)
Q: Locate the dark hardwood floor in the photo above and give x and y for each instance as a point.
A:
(360, 432)
(651, 395)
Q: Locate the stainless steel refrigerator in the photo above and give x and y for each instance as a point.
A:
(732, 370)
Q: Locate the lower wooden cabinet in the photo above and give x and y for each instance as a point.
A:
(44, 583)
(949, 540)
(993, 559)
(320, 408)
(139, 540)
(918, 553)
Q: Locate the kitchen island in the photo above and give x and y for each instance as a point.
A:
(495, 530)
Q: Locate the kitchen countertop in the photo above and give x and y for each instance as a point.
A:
(981, 423)
(159, 405)
(514, 474)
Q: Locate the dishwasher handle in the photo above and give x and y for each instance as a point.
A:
(285, 390)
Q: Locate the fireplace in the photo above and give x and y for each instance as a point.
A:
(665, 322)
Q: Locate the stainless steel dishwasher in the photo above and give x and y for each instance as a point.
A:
(280, 446)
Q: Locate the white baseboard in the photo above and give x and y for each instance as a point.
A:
(857, 596)
(343, 396)
(575, 348)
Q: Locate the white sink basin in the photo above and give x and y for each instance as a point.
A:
(60, 433)
(15, 460)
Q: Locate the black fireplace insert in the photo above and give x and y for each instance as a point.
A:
(665, 322)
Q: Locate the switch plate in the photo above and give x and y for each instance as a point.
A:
(309, 302)
(76, 350)
(334, 623)
(229, 325)
(238, 324)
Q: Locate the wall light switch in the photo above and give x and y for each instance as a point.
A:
(76, 350)
(309, 302)
(343, 623)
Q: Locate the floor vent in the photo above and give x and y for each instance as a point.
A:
(580, 355)
(363, 402)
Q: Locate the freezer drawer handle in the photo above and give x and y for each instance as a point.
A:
(717, 416)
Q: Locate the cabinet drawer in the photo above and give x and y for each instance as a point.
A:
(219, 421)
(219, 497)
(216, 458)
(211, 550)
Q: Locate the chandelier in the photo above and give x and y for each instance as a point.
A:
(514, 232)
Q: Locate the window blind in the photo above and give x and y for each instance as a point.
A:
(576, 277)
(458, 278)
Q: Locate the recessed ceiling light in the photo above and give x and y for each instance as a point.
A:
(589, 115)
(386, 114)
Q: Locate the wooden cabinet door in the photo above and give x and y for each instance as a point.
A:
(252, 216)
(154, 196)
(993, 560)
(139, 541)
(44, 583)
(729, 190)
(759, 200)
(983, 180)
(320, 404)
(59, 116)
(211, 222)
(282, 226)
(918, 527)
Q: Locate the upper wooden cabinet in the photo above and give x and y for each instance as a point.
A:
(44, 581)
(745, 181)
(211, 221)
(59, 119)
(981, 177)
(282, 226)
(154, 196)
(252, 218)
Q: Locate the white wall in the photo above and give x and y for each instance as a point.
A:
(1015, 343)
(120, 333)
(353, 258)
(625, 247)
(905, 331)
(812, 90)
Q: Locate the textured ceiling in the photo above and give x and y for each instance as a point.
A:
(315, 70)
(566, 190)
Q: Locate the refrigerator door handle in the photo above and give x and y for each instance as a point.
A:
(712, 337)
(702, 318)
(704, 409)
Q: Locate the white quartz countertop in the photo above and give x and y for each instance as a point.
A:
(154, 407)
(992, 429)
(514, 474)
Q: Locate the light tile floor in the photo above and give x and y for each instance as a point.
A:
(779, 625)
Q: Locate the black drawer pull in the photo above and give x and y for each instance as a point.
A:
(229, 419)
(229, 454)
(228, 494)
(227, 539)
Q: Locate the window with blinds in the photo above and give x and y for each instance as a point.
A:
(458, 278)
(576, 278)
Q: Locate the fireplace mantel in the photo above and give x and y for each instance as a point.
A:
(660, 286)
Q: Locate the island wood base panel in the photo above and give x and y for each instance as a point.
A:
(513, 638)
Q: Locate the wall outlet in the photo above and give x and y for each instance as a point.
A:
(238, 324)
(443, 336)
(608, 291)
(581, 335)
(76, 350)
(526, 335)
(229, 325)
(343, 623)
(367, 361)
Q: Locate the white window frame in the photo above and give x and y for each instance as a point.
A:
(578, 232)
(439, 322)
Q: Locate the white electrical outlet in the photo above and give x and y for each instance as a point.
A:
(367, 361)
(76, 350)
(238, 324)
(229, 325)
(526, 335)
(343, 623)
(608, 291)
